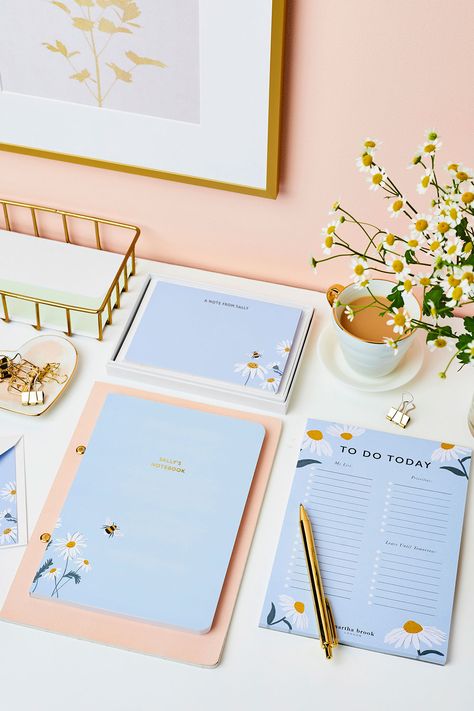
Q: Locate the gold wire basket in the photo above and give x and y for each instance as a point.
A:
(30, 216)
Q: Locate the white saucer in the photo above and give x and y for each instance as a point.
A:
(331, 356)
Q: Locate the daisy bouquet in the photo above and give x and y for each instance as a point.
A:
(429, 251)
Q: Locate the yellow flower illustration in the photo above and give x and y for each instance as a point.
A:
(315, 442)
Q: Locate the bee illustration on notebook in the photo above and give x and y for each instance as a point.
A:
(112, 530)
(256, 354)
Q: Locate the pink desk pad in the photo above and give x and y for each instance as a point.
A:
(205, 649)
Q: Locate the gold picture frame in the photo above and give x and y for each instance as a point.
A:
(278, 23)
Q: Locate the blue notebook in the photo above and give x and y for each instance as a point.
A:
(387, 513)
(149, 524)
(213, 335)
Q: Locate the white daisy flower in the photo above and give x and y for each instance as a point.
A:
(398, 265)
(447, 452)
(8, 534)
(315, 442)
(424, 280)
(346, 432)
(452, 168)
(365, 162)
(424, 183)
(415, 240)
(441, 227)
(294, 611)
(400, 321)
(390, 343)
(376, 177)
(84, 564)
(429, 147)
(349, 313)
(452, 248)
(271, 384)
(412, 634)
(70, 547)
(407, 285)
(465, 273)
(250, 370)
(53, 572)
(470, 350)
(440, 343)
(452, 214)
(8, 491)
(421, 223)
(360, 271)
(372, 144)
(435, 245)
(463, 173)
(284, 348)
(334, 208)
(389, 239)
(396, 207)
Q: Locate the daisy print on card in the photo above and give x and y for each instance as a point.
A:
(12, 492)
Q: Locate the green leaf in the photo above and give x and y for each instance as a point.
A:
(287, 623)
(453, 470)
(47, 564)
(430, 651)
(271, 614)
(306, 462)
(72, 575)
(469, 324)
(396, 299)
(410, 256)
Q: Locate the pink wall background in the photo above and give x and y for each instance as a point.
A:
(371, 67)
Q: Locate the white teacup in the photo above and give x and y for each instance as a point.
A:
(371, 359)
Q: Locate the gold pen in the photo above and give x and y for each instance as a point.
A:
(322, 608)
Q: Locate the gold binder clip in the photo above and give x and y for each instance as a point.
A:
(400, 415)
(4, 367)
(33, 395)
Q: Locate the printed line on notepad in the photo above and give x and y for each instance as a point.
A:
(409, 486)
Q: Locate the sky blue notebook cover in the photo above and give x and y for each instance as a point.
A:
(149, 524)
(214, 335)
(387, 514)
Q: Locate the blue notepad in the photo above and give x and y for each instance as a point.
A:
(387, 514)
(208, 334)
(149, 524)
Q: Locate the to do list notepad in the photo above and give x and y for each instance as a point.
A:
(387, 514)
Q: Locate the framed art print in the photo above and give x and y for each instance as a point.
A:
(186, 90)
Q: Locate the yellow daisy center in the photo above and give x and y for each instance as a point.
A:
(413, 243)
(315, 434)
(286, 349)
(299, 607)
(467, 197)
(366, 159)
(13, 492)
(369, 144)
(6, 531)
(53, 571)
(453, 213)
(447, 445)
(397, 205)
(359, 269)
(412, 627)
(421, 225)
(461, 175)
(399, 319)
(85, 561)
(440, 342)
(443, 227)
(457, 293)
(435, 245)
(452, 249)
(329, 241)
(390, 239)
(346, 435)
(469, 277)
(397, 266)
(407, 285)
(452, 281)
(377, 178)
(270, 380)
(331, 229)
(425, 281)
(252, 365)
(425, 181)
(430, 147)
(453, 166)
(467, 247)
(71, 544)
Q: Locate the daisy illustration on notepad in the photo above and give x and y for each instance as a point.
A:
(413, 634)
(447, 452)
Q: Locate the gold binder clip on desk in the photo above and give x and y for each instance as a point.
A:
(322, 608)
